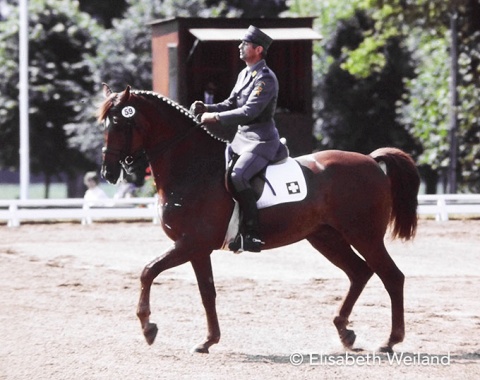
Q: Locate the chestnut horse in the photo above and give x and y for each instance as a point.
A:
(350, 204)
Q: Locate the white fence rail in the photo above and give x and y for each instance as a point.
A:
(442, 206)
(14, 212)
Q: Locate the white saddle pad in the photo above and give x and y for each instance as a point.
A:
(288, 184)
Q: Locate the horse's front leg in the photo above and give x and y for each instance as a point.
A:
(202, 266)
(173, 257)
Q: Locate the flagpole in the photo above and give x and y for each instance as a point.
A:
(453, 131)
(24, 101)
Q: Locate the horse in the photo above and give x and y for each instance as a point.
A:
(353, 201)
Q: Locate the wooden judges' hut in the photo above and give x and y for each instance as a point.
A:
(191, 55)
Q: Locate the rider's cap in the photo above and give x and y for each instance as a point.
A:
(256, 36)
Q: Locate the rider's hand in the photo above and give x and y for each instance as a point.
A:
(210, 117)
(198, 107)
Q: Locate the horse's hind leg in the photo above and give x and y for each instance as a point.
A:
(393, 279)
(202, 266)
(334, 247)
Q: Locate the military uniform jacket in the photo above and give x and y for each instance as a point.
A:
(251, 106)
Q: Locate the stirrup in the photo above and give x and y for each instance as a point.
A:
(253, 243)
(248, 243)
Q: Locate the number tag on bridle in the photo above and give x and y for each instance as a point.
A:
(128, 112)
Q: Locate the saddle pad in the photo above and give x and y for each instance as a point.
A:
(288, 182)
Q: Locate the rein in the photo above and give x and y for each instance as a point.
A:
(158, 150)
(165, 146)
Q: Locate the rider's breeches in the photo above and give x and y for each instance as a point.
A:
(245, 168)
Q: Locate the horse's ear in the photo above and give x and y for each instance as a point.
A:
(106, 90)
(126, 94)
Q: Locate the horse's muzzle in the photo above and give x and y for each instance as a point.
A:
(111, 174)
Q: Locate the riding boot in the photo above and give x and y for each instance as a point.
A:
(250, 241)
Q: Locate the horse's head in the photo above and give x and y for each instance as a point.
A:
(123, 142)
(143, 122)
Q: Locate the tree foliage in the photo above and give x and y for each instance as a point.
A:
(104, 11)
(423, 27)
(428, 113)
(248, 9)
(358, 113)
(59, 78)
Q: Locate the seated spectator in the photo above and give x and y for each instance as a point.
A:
(94, 192)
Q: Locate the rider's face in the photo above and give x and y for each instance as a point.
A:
(248, 51)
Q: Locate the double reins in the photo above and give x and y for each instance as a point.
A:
(163, 147)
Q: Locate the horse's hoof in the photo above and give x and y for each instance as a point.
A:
(200, 349)
(349, 338)
(150, 332)
(386, 349)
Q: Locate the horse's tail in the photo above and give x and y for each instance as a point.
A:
(404, 182)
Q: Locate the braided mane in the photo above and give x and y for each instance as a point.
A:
(114, 100)
(170, 102)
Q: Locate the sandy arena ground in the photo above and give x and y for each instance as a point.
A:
(68, 297)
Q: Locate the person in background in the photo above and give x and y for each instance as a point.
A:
(209, 93)
(94, 192)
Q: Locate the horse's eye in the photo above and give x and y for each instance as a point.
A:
(115, 120)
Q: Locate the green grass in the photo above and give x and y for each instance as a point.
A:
(36, 191)
(57, 190)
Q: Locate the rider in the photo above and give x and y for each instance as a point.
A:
(250, 106)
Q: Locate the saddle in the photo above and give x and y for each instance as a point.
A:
(280, 182)
(283, 181)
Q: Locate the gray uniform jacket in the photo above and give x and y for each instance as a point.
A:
(251, 106)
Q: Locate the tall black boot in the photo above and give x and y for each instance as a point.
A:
(250, 241)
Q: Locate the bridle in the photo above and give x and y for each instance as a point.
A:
(160, 149)
(127, 127)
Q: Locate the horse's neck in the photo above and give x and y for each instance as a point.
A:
(181, 154)
(197, 158)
